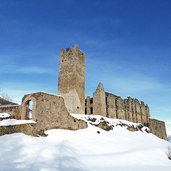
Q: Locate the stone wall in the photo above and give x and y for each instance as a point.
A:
(71, 79)
(120, 108)
(28, 129)
(89, 105)
(13, 110)
(99, 101)
(113, 106)
(49, 111)
(158, 128)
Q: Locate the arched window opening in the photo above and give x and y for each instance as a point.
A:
(29, 110)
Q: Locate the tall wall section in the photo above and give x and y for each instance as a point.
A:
(89, 105)
(111, 108)
(71, 79)
(99, 101)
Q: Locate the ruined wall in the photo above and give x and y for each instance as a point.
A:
(89, 105)
(158, 128)
(111, 109)
(99, 101)
(49, 111)
(71, 79)
(13, 110)
(114, 106)
(128, 109)
(120, 108)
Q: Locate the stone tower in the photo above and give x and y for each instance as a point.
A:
(99, 101)
(71, 79)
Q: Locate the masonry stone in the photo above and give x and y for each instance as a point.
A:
(13, 110)
(71, 79)
(158, 128)
(99, 101)
(49, 111)
(111, 105)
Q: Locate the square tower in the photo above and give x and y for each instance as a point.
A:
(71, 79)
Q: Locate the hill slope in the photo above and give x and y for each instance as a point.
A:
(88, 149)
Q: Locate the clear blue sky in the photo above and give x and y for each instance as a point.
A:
(127, 44)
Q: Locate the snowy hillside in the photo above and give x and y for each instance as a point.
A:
(91, 149)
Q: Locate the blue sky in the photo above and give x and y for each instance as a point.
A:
(127, 46)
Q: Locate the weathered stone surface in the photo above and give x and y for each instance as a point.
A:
(28, 129)
(60, 121)
(132, 128)
(104, 125)
(49, 112)
(71, 79)
(111, 105)
(158, 128)
(13, 110)
(136, 128)
(114, 106)
(89, 105)
(44, 104)
(99, 101)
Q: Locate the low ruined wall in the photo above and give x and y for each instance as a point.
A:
(62, 122)
(28, 129)
(49, 111)
(158, 128)
(13, 110)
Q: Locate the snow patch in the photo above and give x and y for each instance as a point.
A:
(2, 106)
(4, 115)
(8, 122)
(85, 150)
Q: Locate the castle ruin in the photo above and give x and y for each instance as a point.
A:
(71, 86)
(113, 106)
(52, 111)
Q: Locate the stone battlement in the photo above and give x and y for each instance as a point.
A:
(71, 79)
(71, 52)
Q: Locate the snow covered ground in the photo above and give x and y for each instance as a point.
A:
(8, 122)
(91, 149)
